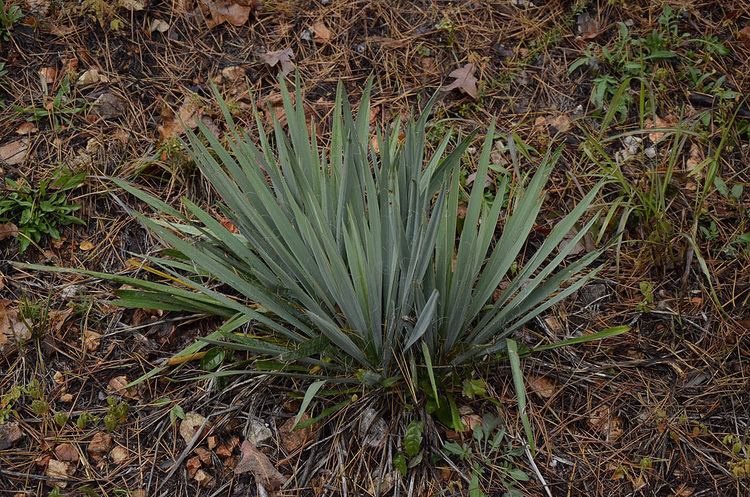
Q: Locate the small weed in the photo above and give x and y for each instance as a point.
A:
(59, 108)
(40, 212)
(86, 419)
(104, 13)
(741, 468)
(489, 448)
(3, 89)
(647, 291)
(8, 401)
(634, 57)
(117, 414)
(448, 27)
(10, 14)
(175, 413)
(710, 232)
(60, 419)
(412, 443)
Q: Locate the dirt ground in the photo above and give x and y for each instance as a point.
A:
(105, 88)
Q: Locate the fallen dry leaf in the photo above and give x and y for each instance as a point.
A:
(282, 57)
(669, 121)
(192, 465)
(292, 439)
(159, 26)
(260, 466)
(204, 455)
(321, 32)
(12, 328)
(134, 5)
(233, 73)
(100, 445)
(8, 230)
(541, 386)
(589, 27)
(744, 36)
(38, 6)
(190, 425)
(202, 478)
(694, 160)
(91, 340)
(187, 117)
(26, 128)
(275, 108)
(683, 491)
(561, 123)
(59, 469)
(225, 450)
(118, 384)
(119, 454)
(48, 74)
(235, 12)
(10, 433)
(67, 452)
(602, 420)
(464, 80)
(14, 153)
(471, 420)
(89, 77)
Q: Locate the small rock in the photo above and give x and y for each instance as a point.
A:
(258, 432)
(10, 433)
(67, 452)
(108, 106)
(119, 454)
(190, 426)
(593, 293)
(100, 445)
(59, 469)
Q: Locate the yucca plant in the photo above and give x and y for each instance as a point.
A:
(351, 258)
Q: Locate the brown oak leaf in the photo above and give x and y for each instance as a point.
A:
(282, 57)
(464, 80)
(261, 467)
(235, 12)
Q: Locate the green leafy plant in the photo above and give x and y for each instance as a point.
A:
(489, 448)
(412, 444)
(350, 260)
(41, 211)
(10, 14)
(59, 108)
(117, 413)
